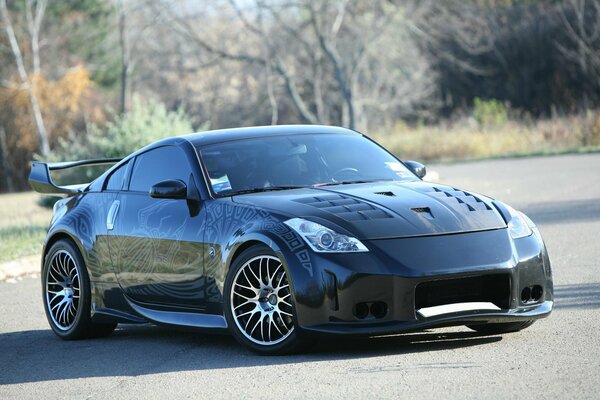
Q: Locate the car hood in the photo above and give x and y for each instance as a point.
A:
(385, 209)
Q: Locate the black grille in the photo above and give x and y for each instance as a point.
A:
(488, 288)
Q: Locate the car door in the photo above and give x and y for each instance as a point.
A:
(102, 203)
(155, 244)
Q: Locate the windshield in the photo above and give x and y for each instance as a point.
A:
(281, 162)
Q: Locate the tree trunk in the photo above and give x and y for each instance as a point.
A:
(123, 44)
(25, 81)
(6, 173)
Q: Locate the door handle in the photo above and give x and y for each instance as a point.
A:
(112, 215)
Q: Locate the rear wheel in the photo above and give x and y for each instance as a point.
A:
(259, 307)
(66, 292)
(493, 329)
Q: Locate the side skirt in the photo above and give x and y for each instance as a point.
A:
(179, 318)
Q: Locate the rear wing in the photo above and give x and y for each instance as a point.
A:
(41, 181)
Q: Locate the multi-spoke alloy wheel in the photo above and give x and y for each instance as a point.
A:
(66, 292)
(63, 290)
(261, 301)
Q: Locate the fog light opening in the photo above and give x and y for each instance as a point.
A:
(378, 309)
(537, 292)
(361, 310)
(526, 295)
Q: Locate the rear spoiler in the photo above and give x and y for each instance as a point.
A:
(41, 181)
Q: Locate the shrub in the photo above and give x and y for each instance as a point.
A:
(48, 201)
(489, 113)
(147, 122)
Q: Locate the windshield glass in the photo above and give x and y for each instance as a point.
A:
(278, 162)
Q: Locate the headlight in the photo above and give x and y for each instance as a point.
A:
(519, 225)
(324, 240)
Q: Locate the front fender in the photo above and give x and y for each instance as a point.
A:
(231, 228)
(312, 285)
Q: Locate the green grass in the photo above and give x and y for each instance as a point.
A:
(23, 225)
(21, 241)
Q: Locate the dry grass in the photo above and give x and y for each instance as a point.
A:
(466, 139)
(23, 225)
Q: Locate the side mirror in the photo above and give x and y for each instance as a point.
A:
(170, 189)
(416, 167)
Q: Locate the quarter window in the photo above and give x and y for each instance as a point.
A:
(116, 178)
(163, 163)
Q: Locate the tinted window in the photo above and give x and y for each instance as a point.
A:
(298, 160)
(115, 180)
(158, 165)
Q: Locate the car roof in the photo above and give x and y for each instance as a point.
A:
(225, 135)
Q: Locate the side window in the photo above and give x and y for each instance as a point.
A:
(115, 180)
(158, 165)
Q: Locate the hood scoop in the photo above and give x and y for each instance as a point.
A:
(389, 194)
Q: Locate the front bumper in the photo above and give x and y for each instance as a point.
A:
(390, 327)
(390, 273)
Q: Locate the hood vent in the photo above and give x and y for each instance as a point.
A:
(345, 207)
(390, 194)
(456, 196)
(423, 211)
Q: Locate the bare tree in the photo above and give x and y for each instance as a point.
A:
(34, 19)
(125, 56)
(319, 52)
(581, 19)
(184, 26)
(132, 24)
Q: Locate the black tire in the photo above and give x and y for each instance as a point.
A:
(64, 256)
(495, 329)
(293, 340)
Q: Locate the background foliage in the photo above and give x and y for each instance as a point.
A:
(146, 122)
(431, 79)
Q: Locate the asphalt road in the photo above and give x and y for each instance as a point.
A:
(558, 357)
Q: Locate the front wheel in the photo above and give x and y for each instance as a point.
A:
(66, 292)
(259, 307)
(507, 327)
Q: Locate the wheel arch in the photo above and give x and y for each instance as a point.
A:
(62, 235)
(257, 238)
(241, 248)
(298, 276)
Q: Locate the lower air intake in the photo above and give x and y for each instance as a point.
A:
(488, 288)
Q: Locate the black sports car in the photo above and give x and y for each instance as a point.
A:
(276, 233)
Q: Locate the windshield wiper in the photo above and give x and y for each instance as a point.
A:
(262, 189)
(351, 182)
